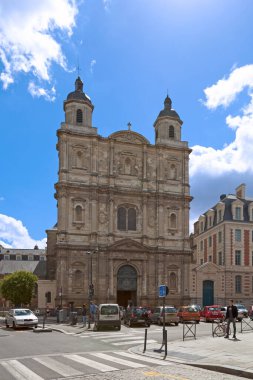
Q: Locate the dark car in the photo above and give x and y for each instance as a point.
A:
(136, 316)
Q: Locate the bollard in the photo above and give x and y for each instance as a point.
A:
(165, 343)
(145, 340)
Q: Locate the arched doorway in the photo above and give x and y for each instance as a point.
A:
(208, 298)
(126, 285)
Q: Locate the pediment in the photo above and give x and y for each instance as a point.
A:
(129, 136)
(208, 267)
(127, 245)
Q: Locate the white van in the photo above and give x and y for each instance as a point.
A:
(108, 314)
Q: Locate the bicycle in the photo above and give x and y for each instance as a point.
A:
(221, 328)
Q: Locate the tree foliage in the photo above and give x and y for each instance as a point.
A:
(18, 287)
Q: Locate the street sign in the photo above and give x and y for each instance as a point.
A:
(163, 291)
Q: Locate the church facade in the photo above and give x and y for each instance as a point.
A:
(123, 211)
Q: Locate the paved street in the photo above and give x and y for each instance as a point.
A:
(80, 354)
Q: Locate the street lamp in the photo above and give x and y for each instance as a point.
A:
(91, 286)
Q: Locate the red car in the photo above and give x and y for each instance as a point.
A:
(210, 313)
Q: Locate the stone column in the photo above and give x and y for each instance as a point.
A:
(111, 205)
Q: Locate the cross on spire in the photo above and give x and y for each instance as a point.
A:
(129, 126)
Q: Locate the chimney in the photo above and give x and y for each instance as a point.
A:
(240, 191)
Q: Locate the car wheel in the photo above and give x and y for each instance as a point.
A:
(119, 327)
(6, 324)
(14, 325)
(36, 326)
(176, 323)
(181, 320)
(197, 322)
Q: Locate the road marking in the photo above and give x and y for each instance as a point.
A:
(160, 374)
(107, 335)
(141, 358)
(20, 371)
(58, 367)
(122, 338)
(127, 363)
(134, 342)
(91, 363)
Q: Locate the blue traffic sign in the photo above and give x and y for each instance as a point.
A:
(163, 290)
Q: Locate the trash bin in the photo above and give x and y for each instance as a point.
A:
(73, 318)
(61, 317)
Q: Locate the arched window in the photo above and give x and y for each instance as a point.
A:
(122, 219)
(238, 284)
(171, 132)
(79, 116)
(173, 281)
(173, 220)
(126, 219)
(131, 219)
(78, 214)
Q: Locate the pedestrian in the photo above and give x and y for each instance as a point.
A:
(84, 313)
(58, 313)
(231, 315)
(93, 310)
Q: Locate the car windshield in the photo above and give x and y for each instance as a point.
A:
(214, 308)
(240, 307)
(22, 312)
(191, 309)
(170, 310)
(109, 310)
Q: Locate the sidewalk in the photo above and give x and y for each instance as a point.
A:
(229, 356)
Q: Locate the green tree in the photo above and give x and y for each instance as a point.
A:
(18, 287)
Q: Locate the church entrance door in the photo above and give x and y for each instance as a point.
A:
(126, 285)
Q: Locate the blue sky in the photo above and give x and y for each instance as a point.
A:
(130, 53)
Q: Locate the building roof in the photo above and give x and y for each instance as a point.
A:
(78, 94)
(168, 111)
(36, 267)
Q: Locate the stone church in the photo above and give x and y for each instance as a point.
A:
(123, 211)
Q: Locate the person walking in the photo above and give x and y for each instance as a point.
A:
(231, 315)
(84, 313)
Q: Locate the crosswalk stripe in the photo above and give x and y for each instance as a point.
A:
(127, 363)
(20, 371)
(134, 342)
(91, 363)
(58, 367)
(122, 338)
(141, 358)
(107, 335)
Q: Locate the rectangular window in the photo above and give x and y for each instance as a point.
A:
(219, 237)
(18, 257)
(30, 258)
(201, 245)
(6, 257)
(238, 213)
(202, 226)
(201, 261)
(210, 258)
(219, 215)
(210, 241)
(210, 221)
(42, 258)
(12, 257)
(220, 258)
(238, 284)
(238, 235)
(237, 257)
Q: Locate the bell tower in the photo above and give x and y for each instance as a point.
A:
(78, 107)
(168, 125)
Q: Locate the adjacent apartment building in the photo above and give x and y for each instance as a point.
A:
(223, 252)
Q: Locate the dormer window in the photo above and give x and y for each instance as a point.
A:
(79, 116)
(238, 213)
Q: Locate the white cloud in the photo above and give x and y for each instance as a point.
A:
(37, 91)
(28, 43)
(235, 157)
(107, 4)
(92, 64)
(14, 234)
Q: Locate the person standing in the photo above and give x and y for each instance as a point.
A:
(231, 315)
(84, 313)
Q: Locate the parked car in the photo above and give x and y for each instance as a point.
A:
(136, 315)
(20, 318)
(170, 315)
(197, 307)
(211, 313)
(224, 311)
(107, 315)
(251, 314)
(188, 313)
(242, 311)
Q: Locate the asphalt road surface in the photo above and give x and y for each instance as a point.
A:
(25, 355)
